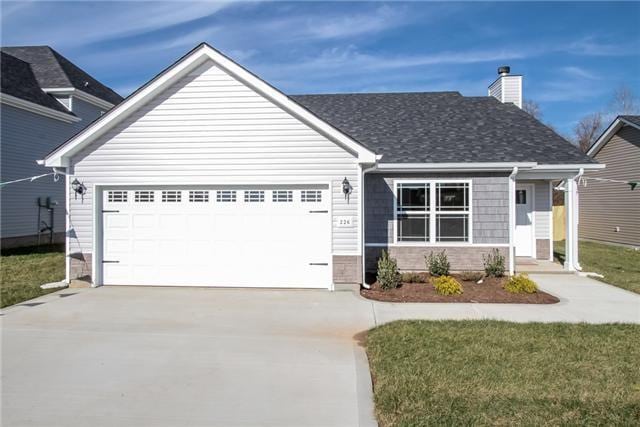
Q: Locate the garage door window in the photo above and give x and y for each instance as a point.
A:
(311, 196)
(226, 196)
(171, 196)
(198, 196)
(117, 196)
(254, 196)
(282, 196)
(143, 196)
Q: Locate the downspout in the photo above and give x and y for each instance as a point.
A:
(512, 219)
(362, 225)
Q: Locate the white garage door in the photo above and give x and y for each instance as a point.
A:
(254, 237)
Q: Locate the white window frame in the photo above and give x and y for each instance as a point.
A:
(433, 211)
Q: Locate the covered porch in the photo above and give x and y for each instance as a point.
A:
(531, 218)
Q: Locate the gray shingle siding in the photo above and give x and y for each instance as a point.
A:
(490, 197)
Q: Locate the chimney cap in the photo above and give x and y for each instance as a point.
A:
(504, 70)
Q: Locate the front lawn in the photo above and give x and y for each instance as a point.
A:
(619, 266)
(499, 373)
(23, 270)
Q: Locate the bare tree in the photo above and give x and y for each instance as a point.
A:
(624, 101)
(532, 108)
(587, 130)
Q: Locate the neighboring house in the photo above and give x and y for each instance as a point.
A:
(45, 99)
(207, 175)
(609, 210)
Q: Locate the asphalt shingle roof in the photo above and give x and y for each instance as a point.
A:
(53, 70)
(18, 80)
(442, 127)
(633, 119)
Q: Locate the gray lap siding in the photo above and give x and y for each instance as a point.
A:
(489, 217)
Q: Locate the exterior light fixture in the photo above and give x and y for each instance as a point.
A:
(78, 188)
(346, 188)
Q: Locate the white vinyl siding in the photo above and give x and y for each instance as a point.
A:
(209, 128)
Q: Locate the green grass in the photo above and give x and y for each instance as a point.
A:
(619, 266)
(499, 373)
(23, 270)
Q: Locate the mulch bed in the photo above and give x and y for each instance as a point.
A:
(490, 291)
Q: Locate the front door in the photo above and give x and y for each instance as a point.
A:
(524, 220)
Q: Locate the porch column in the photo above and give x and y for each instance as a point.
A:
(571, 240)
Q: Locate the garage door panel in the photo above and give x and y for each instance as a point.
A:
(258, 243)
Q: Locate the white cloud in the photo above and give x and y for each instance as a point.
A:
(381, 19)
(79, 23)
(578, 72)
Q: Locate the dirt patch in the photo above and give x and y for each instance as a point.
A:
(490, 291)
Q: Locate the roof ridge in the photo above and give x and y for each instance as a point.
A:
(56, 57)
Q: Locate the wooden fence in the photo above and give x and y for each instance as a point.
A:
(559, 223)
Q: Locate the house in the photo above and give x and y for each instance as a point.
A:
(45, 99)
(208, 175)
(609, 211)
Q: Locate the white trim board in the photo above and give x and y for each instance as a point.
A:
(82, 95)
(38, 109)
(203, 52)
(608, 133)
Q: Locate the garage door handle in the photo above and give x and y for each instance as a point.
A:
(110, 262)
(318, 263)
(107, 211)
(318, 211)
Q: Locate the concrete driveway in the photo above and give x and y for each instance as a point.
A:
(197, 356)
(175, 357)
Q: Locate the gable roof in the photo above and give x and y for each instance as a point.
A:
(18, 80)
(609, 132)
(52, 70)
(197, 56)
(428, 128)
(443, 127)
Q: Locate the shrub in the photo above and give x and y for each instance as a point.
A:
(447, 285)
(388, 274)
(438, 264)
(471, 276)
(494, 263)
(412, 278)
(521, 283)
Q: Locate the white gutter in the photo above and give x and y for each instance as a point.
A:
(362, 225)
(512, 219)
(446, 167)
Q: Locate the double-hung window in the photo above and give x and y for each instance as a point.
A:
(452, 212)
(433, 211)
(413, 212)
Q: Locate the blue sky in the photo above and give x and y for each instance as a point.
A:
(572, 55)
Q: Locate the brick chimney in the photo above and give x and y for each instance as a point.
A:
(507, 87)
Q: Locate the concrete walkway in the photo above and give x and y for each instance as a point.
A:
(232, 357)
(581, 300)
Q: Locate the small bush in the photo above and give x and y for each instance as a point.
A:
(471, 276)
(447, 285)
(388, 274)
(412, 278)
(494, 263)
(438, 264)
(521, 283)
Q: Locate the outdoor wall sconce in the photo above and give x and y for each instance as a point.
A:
(346, 188)
(78, 188)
